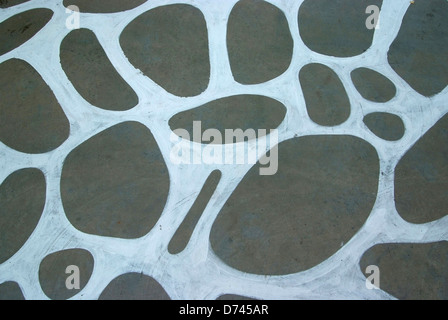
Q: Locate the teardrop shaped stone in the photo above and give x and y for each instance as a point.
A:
(22, 200)
(169, 44)
(31, 119)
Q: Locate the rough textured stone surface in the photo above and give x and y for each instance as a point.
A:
(169, 44)
(134, 286)
(385, 125)
(259, 49)
(325, 96)
(18, 29)
(22, 200)
(411, 271)
(325, 186)
(53, 273)
(418, 53)
(116, 183)
(336, 28)
(372, 85)
(421, 177)
(90, 71)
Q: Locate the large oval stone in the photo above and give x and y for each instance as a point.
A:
(169, 44)
(18, 29)
(22, 200)
(259, 42)
(116, 183)
(320, 197)
(419, 52)
(421, 177)
(31, 119)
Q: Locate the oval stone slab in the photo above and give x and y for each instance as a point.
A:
(411, 271)
(325, 96)
(134, 286)
(69, 267)
(116, 183)
(22, 200)
(31, 119)
(259, 42)
(103, 6)
(93, 75)
(419, 52)
(385, 125)
(373, 85)
(336, 28)
(236, 112)
(169, 44)
(320, 197)
(421, 177)
(18, 29)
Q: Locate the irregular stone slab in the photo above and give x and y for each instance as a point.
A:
(325, 96)
(322, 194)
(411, 271)
(93, 75)
(336, 28)
(31, 119)
(11, 3)
(387, 126)
(235, 112)
(260, 49)
(373, 85)
(418, 53)
(60, 270)
(10, 291)
(169, 44)
(103, 6)
(116, 183)
(134, 286)
(421, 177)
(185, 230)
(22, 200)
(18, 29)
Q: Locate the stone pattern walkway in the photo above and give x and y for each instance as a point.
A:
(87, 115)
